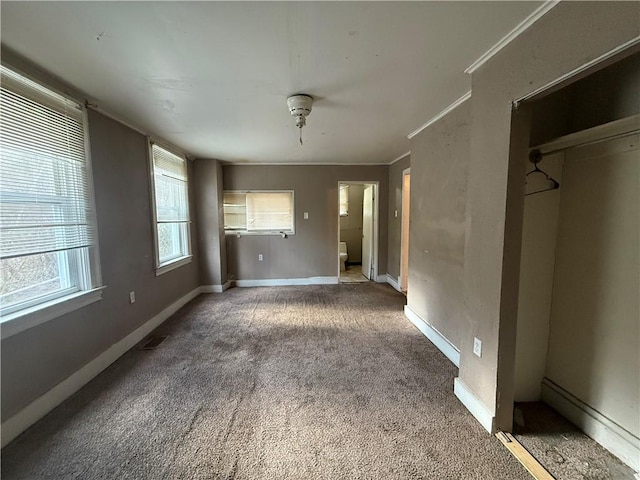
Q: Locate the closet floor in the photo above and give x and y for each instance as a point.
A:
(563, 449)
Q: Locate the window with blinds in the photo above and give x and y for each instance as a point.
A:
(47, 219)
(259, 212)
(171, 201)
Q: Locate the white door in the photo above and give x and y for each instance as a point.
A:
(367, 230)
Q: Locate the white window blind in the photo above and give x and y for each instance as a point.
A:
(260, 212)
(171, 205)
(47, 221)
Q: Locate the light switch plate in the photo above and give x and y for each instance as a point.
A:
(260, 257)
(132, 297)
(477, 347)
(306, 215)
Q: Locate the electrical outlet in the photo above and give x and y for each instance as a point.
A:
(132, 297)
(395, 213)
(477, 347)
(306, 215)
(260, 257)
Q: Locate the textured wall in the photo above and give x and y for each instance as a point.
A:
(313, 250)
(440, 161)
(395, 223)
(35, 360)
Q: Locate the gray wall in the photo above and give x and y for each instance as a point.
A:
(36, 360)
(440, 162)
(395, 222)
(313, 250)
(210, 220)
(351, 225)
(567, 37)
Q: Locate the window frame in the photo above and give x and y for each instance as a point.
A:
(85, 262)
(239, 232)
(167, 266)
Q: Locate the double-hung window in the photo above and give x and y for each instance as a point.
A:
(259, 212)
(171, 207)
(48, 240)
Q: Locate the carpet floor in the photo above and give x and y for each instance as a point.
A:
(314, 382)
(562, 448)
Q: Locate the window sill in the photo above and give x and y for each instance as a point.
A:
(30, 317)
(242, 233)
(173, 264)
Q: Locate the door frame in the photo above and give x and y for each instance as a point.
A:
(376, 216)
(405, 172)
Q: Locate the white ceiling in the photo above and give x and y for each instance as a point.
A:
(213, 77)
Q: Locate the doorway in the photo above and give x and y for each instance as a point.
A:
(404, 236)
(357, 231)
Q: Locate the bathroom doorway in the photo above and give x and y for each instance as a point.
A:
(357, 231)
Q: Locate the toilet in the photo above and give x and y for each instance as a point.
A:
(343, 255)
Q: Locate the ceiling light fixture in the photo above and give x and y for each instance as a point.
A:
(300, 106)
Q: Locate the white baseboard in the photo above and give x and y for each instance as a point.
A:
(473, 404)
(216, 288)
(394, 283)
(439, 340)
(277, 282)
(603, 430)
(382, 278)
(37, 409)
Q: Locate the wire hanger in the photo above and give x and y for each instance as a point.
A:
(535, 157)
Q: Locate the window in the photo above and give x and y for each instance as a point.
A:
(259, 212)
(344, 200)
(48, 250)
(171, 205)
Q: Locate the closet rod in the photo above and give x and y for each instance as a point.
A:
(589, 142)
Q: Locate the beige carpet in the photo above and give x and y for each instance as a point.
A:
(319, 382)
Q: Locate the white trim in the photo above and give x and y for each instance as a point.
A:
(37, 409)
(603, 430)
(393, 282)
(509, 37)
(473, 404)
(167, 267)
(277, 282)
(442, 114)
(382, 278)
(607, 131)
(440, 341)
(298, 164)
(43, 312)
(620, 48)
(405, 154)
(216, 288)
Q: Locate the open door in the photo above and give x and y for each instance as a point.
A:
(404, 242)
(367, 230)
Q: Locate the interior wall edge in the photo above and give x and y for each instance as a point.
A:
(473, 404)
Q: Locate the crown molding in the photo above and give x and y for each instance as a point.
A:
(400, 157)
(504, 41)
(443, 113)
